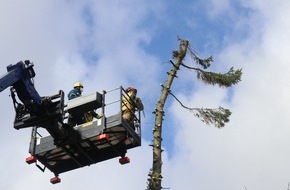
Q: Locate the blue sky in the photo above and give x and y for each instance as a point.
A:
(107, 44)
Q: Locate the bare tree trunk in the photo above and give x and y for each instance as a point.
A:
(154, 182)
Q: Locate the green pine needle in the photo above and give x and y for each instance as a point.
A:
(218, 117)
(222, 80)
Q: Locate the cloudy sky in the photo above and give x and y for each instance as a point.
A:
(105, 44)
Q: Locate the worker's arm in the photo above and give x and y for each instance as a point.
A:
(73, 94)
(139, 104)
(96, 115)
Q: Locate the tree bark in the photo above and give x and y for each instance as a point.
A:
(154, 182)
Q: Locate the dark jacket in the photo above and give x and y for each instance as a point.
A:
(74, 93)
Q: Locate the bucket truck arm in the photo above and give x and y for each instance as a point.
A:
(20, 76)
(32, 110)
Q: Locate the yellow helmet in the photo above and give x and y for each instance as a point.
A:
(78, 84)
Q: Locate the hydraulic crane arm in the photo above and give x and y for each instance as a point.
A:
(20, 77)
(33, 110)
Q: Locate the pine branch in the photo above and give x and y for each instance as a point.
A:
(218, 116)
(228, 79)
(205, 63)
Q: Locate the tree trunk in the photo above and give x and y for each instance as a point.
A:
(154, 182)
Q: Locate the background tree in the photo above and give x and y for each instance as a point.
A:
(218, 116)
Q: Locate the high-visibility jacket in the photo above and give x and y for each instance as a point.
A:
(129, 104)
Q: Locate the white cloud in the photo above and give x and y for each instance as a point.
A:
(252, 150)
(215, 8)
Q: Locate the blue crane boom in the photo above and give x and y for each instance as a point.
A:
(20, 77)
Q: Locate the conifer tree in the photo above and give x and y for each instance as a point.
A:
(218, 116)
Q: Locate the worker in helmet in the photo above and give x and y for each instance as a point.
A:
(83, 117)
(130, 102)
(76, 91)
(75, 119)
